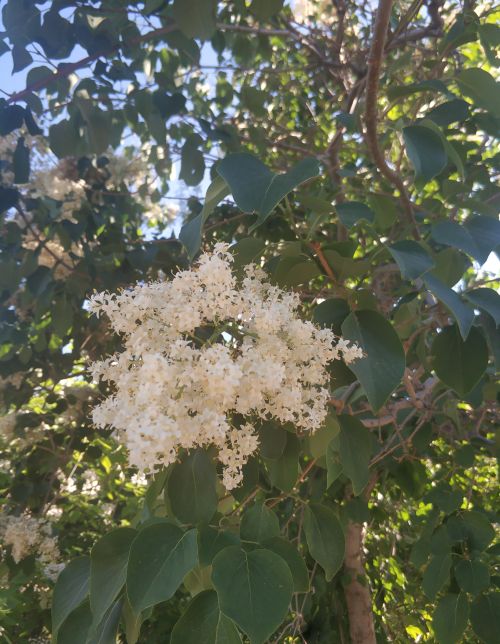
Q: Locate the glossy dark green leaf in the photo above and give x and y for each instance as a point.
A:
(284, 470)
(477, 237)
(436, 575)
(295, 561)
(413, 260)
(355, 449)
(191, 232)
(450, 618)
(485, 617)
(325, 538)
(202, 621)
(331, 313)
(191, 488)
(71, 589)
(319, 441)
(108, 569)
(293, 271)
(478, 530)
(426, 152)
(463, 314)
(486, 299)
(481, 87)
(255, 188)
(458, 363)
(382, 368)
(75, 628)
(450, 112)
(259, 523)
(106, 631)
(272, 439)
(472, 576)
(250, 584)
(211, 541)
(160, 557)
(351, 212)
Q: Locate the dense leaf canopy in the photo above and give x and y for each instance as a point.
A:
(348, 148)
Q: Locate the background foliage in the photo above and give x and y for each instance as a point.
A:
(388, 511)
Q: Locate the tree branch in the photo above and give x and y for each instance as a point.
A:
(371, 114)
(65, 69)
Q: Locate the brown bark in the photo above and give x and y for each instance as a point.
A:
(357, 592)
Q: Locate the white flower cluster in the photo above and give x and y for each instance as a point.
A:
(60, 183)
(201, 351)
(28, 535)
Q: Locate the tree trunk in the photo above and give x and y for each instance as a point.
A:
(357, 592)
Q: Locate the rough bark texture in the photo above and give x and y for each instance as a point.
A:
(358, 595)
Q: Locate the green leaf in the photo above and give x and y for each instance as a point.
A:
(255, 188)
(436, 575)
(331, 313)
(254, 590)
(458, 363)
(11, 118)
(295, 561)
(450, 112)
(325, 538)
(453, 155)
(272, 439)
(485, 617)
(160, 557)
(21, 162)
(196, 18)
(333, 464)
(413, 260)
(472, 576)
(106, 631)
(350, 212)
(259, 523)
(433, 86)
(426, 151)
(355, 449)
(482, 88)
(191, 232)
(71, 588)
(292, 271)
(192, 161)
(284, 470)
(265, 9)
(451, 264)
(450, 618)
(76, 627)
(202, 621)
(319, 441)
(211, 541)
(478, 530)
(486, 299)
(63, 138)
(191, 488)
(463, 314)
(382, 368)
(108, 569)
(478, 237)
